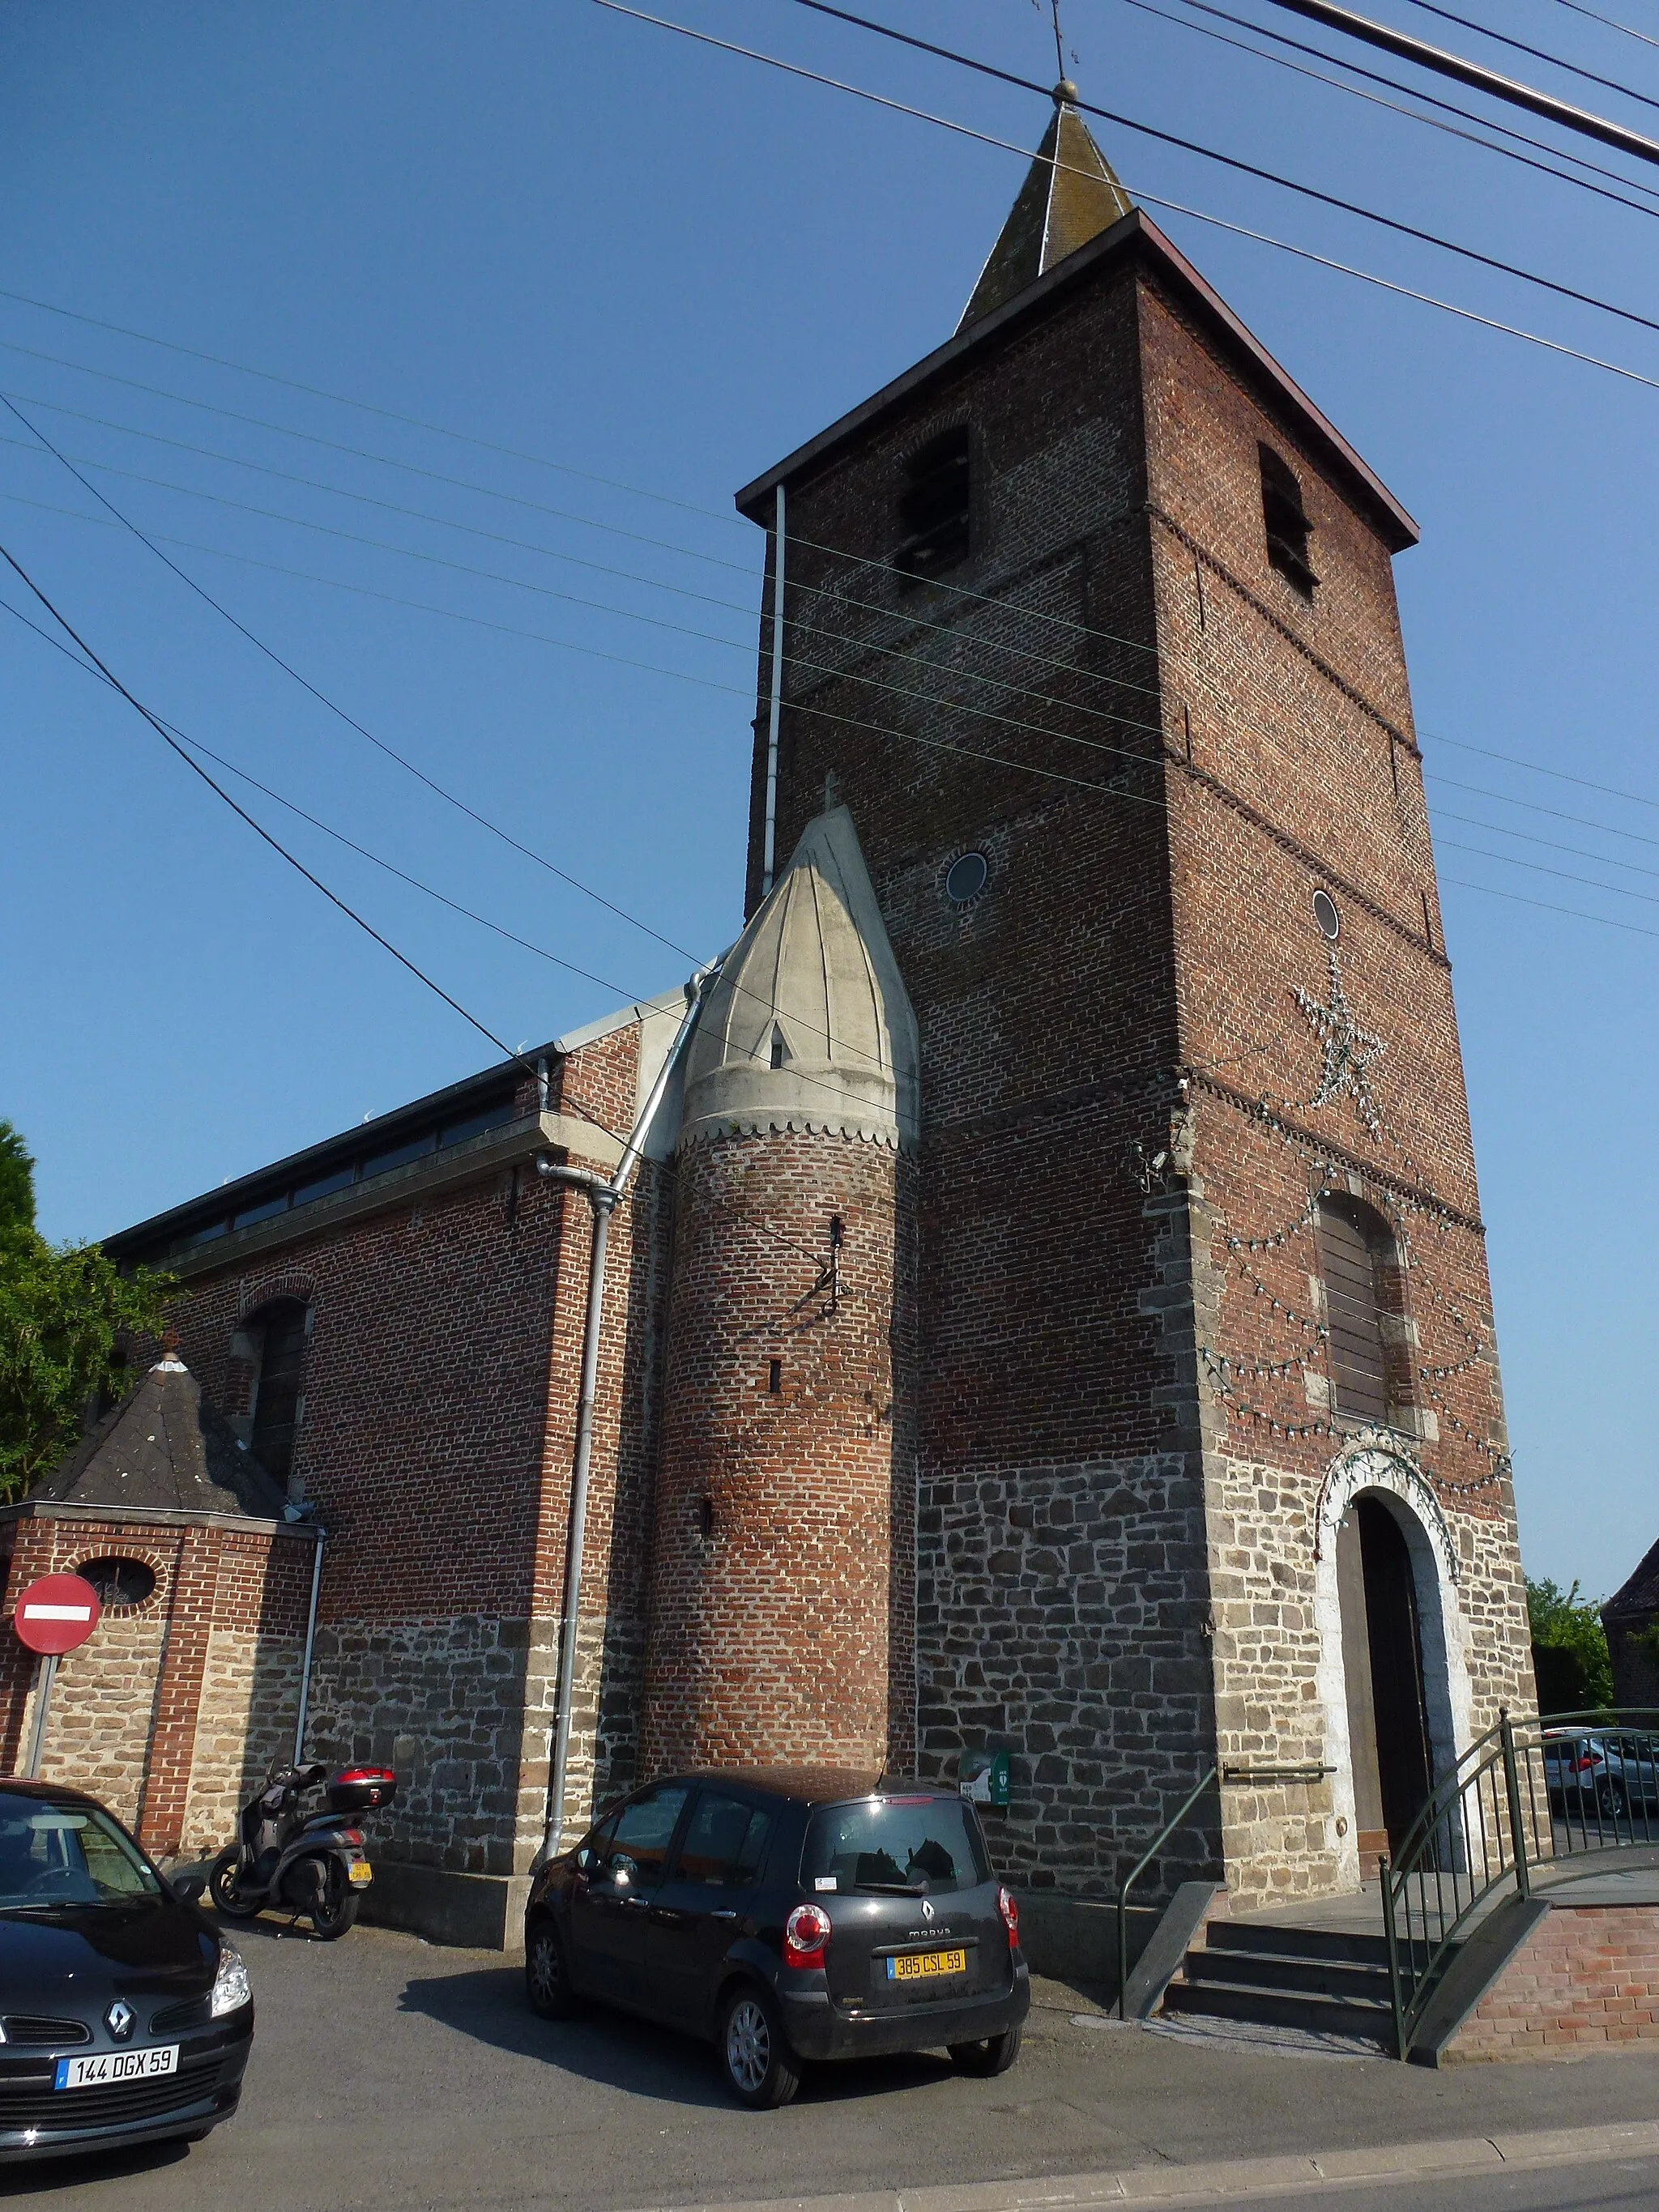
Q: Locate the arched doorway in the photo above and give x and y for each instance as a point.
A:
(1393, 1682)
(1389, 1740)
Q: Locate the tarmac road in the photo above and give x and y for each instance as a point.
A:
(389, 2075)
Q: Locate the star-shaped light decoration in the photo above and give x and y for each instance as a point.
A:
(1349, 1050)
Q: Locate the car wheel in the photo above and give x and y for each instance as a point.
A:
(1612, 1801)
(761, 2070)
(221, 1889)
(993, 2054)
(546, 1976)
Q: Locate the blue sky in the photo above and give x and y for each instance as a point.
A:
(571, 237)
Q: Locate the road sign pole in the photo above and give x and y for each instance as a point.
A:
(42, 1683)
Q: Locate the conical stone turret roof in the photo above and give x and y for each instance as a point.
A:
(1070, 194)
(809, 1025)
(162, 1449)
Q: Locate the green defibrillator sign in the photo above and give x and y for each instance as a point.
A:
(985, 1777)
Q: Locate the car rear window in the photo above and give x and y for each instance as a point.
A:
(910, 1845)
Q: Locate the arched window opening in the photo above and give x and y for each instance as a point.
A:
(118, 1581)
(934, 506)
(1356, 1258)
(278, 1390)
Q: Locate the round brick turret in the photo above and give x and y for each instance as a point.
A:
(781, 1573)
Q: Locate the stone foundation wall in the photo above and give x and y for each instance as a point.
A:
(464, 1710)
(103, 1707)
(1061, 1614)
(1587, 1978)
(250, 1701)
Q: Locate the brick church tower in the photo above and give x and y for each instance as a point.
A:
(1089, 623)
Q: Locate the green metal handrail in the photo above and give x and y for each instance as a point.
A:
(1140, 1867)
(1494, 1817)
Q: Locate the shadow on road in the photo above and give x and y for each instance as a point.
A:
(488, 2004)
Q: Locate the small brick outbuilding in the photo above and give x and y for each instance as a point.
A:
(190, 1684)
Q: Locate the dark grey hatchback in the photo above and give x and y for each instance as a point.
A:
(787, 1916)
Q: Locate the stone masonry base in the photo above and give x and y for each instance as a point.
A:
(475, 1912)
(1587, 1978)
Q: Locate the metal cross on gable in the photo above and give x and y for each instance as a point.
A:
(1349, 1050)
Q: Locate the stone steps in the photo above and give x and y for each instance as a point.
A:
(1329, 1981)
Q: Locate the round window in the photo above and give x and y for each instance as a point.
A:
(1325, 914)
(966, 878)
(118, 1581)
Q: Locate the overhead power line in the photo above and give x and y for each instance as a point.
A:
(257, 827)
(1417, 92)
(153, 543)
(1391, 106)
(1471, 73)
(1578, 9)
(1193, 146)
(1537, 53)
(1178, 207)
(797, 622)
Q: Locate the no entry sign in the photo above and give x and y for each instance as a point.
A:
(56, 1614)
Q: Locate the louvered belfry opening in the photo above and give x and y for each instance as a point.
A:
(1354, 1246)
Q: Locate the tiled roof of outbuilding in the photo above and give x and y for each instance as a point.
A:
(163, 1449)
(1640, 1594)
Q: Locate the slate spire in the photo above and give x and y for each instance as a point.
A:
(1070, 196)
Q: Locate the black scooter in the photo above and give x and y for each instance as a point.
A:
(307, 1861)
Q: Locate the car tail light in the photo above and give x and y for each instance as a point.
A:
(805, 1933)
(1010, 1912)
(1583, 1765)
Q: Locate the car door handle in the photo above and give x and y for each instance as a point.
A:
(637, 1903)
(726, 1912)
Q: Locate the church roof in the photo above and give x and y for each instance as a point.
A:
(1640, 1594)
(163, 1449)
(1070, 194)
(809, 1025)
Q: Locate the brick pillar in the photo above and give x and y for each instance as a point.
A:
(178, 1697)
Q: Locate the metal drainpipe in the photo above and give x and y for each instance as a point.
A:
(769, 857)
(603, 1197)
(311, 1639)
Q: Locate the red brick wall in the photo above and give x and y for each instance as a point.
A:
(1587, 1978)
(777, 1575)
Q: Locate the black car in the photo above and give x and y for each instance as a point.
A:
(125, 2018)
(787, 1917)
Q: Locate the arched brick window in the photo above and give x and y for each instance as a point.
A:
(280, 1332)
(1357, 1260)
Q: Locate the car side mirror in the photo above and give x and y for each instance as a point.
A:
(186, 1887)
(584, 1859)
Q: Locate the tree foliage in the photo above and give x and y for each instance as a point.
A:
(65, 1314)
(16, 1180)
(1569, 1648)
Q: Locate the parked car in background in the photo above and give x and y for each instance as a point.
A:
(1607, 1772)
(125, 2016)
(787, 1916)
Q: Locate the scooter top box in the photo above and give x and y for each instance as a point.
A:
(362, 1788)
